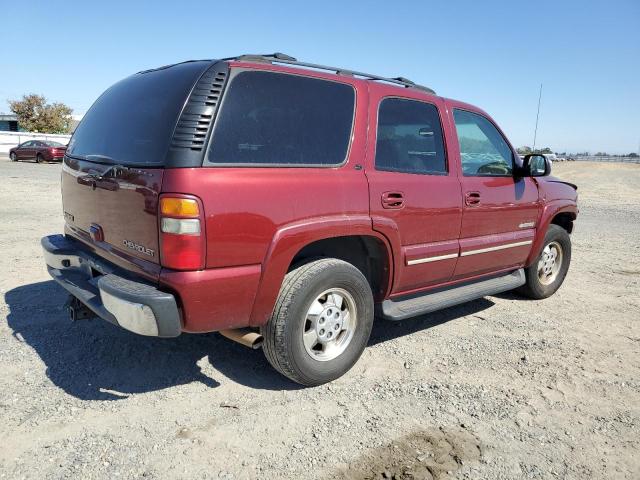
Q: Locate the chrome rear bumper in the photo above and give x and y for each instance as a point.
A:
(133, 305)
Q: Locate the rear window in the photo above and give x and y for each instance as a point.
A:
(133, 121)
(280, 119)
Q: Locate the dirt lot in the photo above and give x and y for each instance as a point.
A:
(498, 388)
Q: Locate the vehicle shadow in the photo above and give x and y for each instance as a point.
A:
(94, 360)
(384, 330)
(512, 295)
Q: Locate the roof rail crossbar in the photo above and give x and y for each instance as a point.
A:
(289, 60)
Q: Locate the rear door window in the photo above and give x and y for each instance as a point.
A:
(276, 119)
(409, 138)
(132, 122)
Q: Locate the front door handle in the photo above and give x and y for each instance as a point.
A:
(392, 200)
(472, 198)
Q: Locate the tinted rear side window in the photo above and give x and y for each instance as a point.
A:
(409, 138)
(133, 121)
(279, 119)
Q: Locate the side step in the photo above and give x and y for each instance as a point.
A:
(430, 302)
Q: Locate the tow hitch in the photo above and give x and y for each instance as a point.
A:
(77, 310)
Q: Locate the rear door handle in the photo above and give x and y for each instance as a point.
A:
(472, 198)
(392, 200)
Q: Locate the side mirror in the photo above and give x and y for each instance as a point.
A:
(536, 165)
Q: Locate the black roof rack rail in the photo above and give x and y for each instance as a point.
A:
(267, 57)
(289, 60)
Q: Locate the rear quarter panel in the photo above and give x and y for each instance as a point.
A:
(245, 207)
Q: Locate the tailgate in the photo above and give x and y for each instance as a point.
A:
(114, 209)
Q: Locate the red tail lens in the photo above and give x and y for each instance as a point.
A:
(182, 240)
(181, 252)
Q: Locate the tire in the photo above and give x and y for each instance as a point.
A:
(302, 292)
(539, 285)
(39, 158)
(13, 157)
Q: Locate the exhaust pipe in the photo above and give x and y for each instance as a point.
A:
(244, 336)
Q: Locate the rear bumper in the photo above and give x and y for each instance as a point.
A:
(49, 157)
(130, 304)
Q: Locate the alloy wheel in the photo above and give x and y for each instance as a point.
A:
(329, 325)
(550, 263)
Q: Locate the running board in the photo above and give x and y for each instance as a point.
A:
(430, 302)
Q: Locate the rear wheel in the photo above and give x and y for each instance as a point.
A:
(321, 322)
(546, 274)
(13, 157)
(39, 158)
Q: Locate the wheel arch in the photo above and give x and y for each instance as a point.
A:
(366, 252)
(564, 220)
(349, 238)
(557, 213)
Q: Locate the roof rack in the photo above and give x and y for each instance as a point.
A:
(289, 60)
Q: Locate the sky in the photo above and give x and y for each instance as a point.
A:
(493, 54)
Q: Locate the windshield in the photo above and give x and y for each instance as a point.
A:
(133, 121)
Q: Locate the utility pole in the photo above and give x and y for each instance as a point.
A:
(535, 133)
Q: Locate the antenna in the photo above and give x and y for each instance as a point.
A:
(535, 133)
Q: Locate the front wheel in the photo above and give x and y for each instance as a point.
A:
(321, 322)
(13, 157)
(546, 274)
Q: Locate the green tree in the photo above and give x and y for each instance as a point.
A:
(36, 115)
(633, 155)
(524, 150)
(544, 150)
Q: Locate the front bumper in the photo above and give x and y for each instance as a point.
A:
(130, 304)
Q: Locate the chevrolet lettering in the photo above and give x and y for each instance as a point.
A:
(139, 248)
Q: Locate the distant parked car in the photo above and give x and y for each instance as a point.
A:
(38, 150)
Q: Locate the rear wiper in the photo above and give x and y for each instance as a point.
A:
(106, 160)
(99, 158)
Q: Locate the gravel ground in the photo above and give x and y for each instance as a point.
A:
(497, 388)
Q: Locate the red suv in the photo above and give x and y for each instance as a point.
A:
(285, 204)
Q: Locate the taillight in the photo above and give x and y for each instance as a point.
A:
(182, 239)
